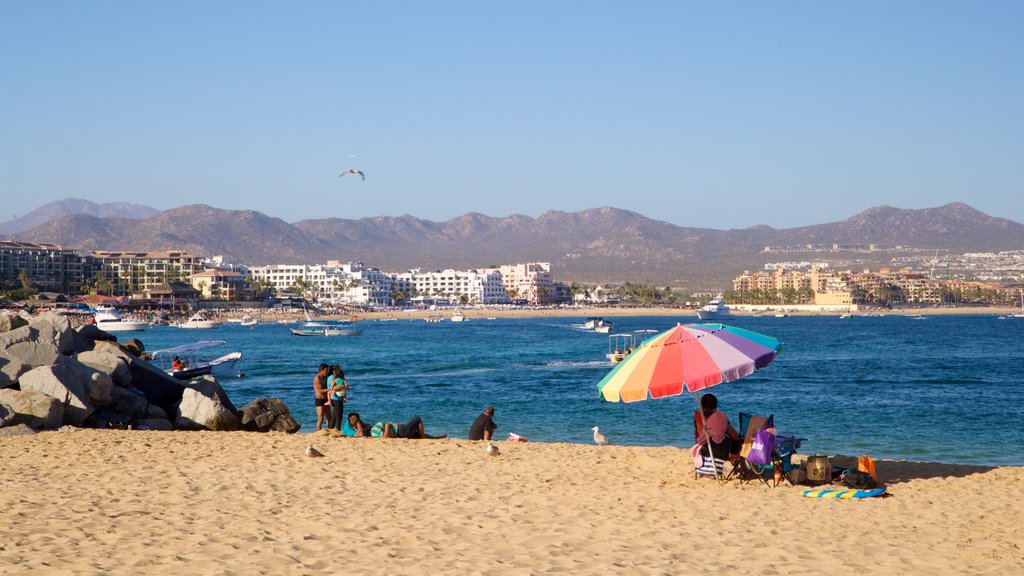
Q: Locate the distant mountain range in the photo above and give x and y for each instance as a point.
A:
(70, 206)
(601, 244)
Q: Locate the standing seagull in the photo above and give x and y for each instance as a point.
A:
(353, 171)
(492, 450)
(313, 452)
(599, 438)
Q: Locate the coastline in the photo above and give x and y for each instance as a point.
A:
(687, 314)
(135, 502)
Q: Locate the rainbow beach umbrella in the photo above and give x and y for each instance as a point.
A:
(691, 357)
(688, 357)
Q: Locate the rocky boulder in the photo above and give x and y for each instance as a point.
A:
(108, 359)
(11, 368)
(79, 388)
(161, 424)
(267, 414)
(34, 409)
(205, 406)
(39, 343)
(10, 322)
(133, 406)
(87, 335)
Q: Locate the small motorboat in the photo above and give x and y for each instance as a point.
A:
(248, 321)
(619, 346)
(325, 331)
(198, 321)
(457, 316)
(191, 363)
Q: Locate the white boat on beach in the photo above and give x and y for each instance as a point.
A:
(113, 322)
(194, 365)
(198, 321)
(715, 310)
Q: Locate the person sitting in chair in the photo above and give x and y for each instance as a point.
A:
(724, 438)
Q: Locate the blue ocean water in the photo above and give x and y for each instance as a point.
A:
(944, 389)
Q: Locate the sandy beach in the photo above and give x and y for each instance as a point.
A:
(142, 502)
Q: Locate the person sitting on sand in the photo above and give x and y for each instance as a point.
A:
(412, 429)
(483, 427)
(724, 438)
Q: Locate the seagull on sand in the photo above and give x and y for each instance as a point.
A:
(353, 171)
(599, 438)
(492, 450)
(313, 452)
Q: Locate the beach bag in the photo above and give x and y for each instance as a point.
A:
(761, 448)
(856, 479)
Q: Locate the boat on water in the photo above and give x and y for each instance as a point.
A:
(111, 321)
(198, 321)
(1021, 313)
(597, 324)
(457, 316)
(619, 346)
(248, 321)
(193, 363)
(325, 331)
(715, 310)
(434, 319)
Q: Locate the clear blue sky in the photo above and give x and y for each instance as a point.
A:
(717, 114)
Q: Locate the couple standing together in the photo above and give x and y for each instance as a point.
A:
(331, 392)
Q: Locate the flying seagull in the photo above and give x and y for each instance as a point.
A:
(313, 452)
(599, 438)
(353, 171)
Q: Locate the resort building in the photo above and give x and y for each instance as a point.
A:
(466, 287)
(135, 273)
(222, 285)
(530, 282)
(49, 267)
(350, 284)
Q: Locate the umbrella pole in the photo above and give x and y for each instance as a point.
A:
(707, 437)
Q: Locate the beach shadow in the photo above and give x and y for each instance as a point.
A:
(895, 471)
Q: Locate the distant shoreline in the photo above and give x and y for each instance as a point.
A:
(684, 313)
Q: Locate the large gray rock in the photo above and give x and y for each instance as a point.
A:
(267, 414)
(87, 335)
(11, 368)
(105, 359)
(129, 405)
(34, 409)
(161, 424)
(41, 342)
(17, 430)
(10, 322)
(79, 388)
(205, 406)
(159, 387)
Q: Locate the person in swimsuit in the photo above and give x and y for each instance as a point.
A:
(320, 396)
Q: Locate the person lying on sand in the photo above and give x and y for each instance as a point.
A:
(411, 429)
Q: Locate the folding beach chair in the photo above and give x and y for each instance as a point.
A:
(742, 468)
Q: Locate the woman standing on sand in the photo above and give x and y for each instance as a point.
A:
(336, 387)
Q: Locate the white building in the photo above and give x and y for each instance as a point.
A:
(469, 286)
(351, 283)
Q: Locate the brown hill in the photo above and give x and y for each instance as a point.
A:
(601, 244)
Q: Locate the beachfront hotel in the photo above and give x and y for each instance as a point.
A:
(50, 267)
(137, 273)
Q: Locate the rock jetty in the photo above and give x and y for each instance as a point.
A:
(54, 375)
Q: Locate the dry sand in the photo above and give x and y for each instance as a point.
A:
(134, 502)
